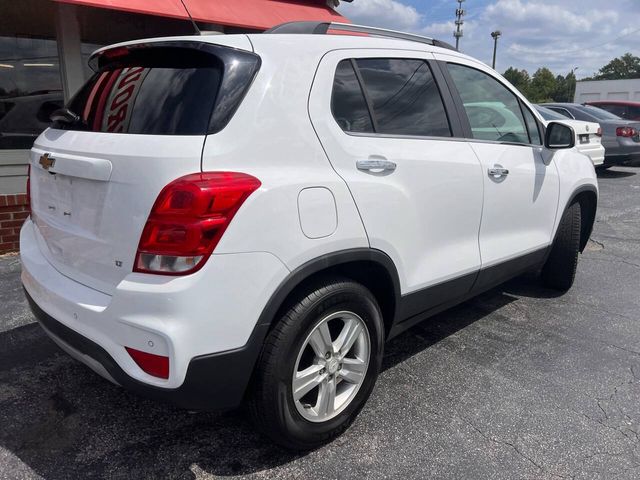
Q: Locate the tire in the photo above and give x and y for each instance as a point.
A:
(293, 346)
(559, 271)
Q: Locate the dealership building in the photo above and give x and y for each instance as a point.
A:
(45, 45)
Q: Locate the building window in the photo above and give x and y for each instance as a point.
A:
(30, 89)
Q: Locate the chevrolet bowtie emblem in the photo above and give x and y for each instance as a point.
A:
(46, 161)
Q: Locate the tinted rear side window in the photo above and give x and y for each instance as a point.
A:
(404, 97)
(163, 90)
(348, 104)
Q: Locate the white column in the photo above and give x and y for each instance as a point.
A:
(68, 38)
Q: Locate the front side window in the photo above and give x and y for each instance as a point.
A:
(404, 97)
(493, 110)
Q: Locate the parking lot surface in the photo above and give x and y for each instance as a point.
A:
(517, 383)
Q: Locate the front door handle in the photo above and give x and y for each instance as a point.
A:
(376, 166)
(498, 172)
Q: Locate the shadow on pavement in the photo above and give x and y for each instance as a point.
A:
(64, 421)
(609, 173)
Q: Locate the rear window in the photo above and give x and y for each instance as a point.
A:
(599, 113)
(162, 90)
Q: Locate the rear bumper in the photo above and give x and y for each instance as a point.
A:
(212, 382)
(205, 323)
(625, 150)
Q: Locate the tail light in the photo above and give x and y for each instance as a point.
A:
(626, 132)
(599, 132)
(188, 219)
(156, 365)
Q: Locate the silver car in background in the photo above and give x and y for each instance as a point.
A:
(620, 137)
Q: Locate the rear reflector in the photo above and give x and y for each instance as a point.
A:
(188, 220)
(626, 132)
(155, 365)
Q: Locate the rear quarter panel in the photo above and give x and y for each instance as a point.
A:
(271, 138)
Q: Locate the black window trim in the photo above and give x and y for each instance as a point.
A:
(524, 107)
(365, 94)
(453, 121)
(464, 119)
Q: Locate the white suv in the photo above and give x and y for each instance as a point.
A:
(234, 217)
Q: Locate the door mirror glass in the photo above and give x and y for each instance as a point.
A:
(559, 136)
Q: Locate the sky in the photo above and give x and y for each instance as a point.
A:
(558, 34)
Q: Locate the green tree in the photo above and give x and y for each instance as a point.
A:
(519, 79)
(543, 86)
(624, 67)
(565, 88)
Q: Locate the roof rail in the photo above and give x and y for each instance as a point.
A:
(322, 28)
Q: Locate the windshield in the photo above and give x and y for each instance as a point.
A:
(548, 114)
(599, 113)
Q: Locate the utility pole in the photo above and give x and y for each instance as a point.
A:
(459, 22)
(495, 36)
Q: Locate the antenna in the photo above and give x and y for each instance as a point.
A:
(195, 26)
(459, 22)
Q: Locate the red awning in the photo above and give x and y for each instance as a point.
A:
(255, 14)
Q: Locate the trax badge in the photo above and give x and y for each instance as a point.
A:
(46, 161)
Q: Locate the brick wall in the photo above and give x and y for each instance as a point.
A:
(13, 211)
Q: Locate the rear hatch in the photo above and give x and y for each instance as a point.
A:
(137, 124)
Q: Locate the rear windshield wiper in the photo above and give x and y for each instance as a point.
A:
(65, 116)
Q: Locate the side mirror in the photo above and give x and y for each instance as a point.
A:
(559, 136)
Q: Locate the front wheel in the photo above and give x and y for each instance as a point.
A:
(319, 365)
(559, 271)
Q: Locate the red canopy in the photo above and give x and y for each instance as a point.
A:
(255, 14)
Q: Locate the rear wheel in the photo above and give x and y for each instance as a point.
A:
(319, 365)
(559, 271)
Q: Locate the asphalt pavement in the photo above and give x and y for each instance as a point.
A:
(517, 383)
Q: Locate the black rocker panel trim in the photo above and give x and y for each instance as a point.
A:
(458, 290)
(430, 298)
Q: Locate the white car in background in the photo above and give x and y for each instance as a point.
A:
(588, 134)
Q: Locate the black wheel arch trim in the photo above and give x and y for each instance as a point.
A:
(320, 264)
(586, 228)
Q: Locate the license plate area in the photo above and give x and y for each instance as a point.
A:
(584, 139)
(55, 195)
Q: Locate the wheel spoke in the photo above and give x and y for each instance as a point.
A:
(307, 380)
(348, 336)
(326, 397)
(320, 340)
(353, 370)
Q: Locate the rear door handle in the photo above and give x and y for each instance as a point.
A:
(375, 166)
(498, 172)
